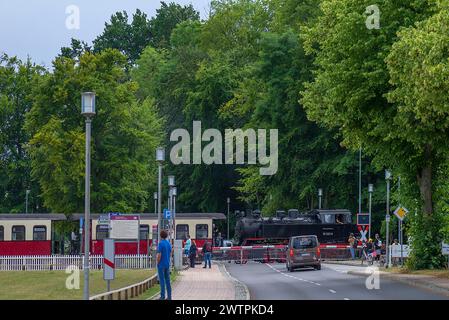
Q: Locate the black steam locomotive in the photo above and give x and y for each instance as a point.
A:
(330, 226)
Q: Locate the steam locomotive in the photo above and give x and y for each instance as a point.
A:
(330, 226)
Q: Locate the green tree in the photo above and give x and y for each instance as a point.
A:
(17, 79)
(168, 16)
(76, 50)
(350, 87)
(124, 136)
(419, 69)
(129, 38)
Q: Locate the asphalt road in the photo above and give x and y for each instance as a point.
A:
(273, 281)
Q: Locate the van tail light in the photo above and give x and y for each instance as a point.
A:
(291, 252)
(318, 252)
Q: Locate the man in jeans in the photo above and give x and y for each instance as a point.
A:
(207, 251)
(352, 240)
(163, 265)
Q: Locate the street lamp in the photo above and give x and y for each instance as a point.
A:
(26, 200)
(387, 216)
(174, 193)
(155, 201)
(160, 158)
(229, 202)
(171, 184)
(370, 191)
(320, 195)
(87, 110)
(171, 181)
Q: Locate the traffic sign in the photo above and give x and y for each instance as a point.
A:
(103, 219)
(109, 259)
(363, 229)
(400, 212)
(387, 218)
(363, 219)
(445, 249)
(167, 214)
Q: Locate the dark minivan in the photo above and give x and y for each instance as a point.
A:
(303, 251)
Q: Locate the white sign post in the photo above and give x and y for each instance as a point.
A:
(401, 213)
(445, 251)
(109, 262)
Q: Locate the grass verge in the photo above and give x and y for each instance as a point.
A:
(440, 273)
(51, 285)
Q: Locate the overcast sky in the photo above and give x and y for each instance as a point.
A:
(37, 28)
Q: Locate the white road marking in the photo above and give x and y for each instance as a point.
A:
(346, 299)
(332, 291)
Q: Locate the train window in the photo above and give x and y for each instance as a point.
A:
(102, 231)
(2, 233)
(39, 233)
(144, 231)
(202, 231)
(182, 230)
(18, 233)
(329, 218)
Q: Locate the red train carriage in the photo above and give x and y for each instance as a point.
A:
(33, 234)
(27, 234)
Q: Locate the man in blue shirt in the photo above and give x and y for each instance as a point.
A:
(163, 265)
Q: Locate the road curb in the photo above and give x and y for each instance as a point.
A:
(239, 286)
(343, 263)
(410, 282)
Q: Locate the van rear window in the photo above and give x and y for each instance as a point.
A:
(304, 243)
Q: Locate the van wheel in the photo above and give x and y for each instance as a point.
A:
(318, 267)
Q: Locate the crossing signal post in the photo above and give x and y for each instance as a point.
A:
(363, 225)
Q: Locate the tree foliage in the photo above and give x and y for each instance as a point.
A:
(124, 136)
(17, 78)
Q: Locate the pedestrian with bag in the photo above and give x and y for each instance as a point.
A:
(192, 253)
(187, 246)
(207, 251)
(352, 240)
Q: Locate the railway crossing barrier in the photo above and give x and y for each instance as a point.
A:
(272, 253)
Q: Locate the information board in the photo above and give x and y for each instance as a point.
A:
(124, 227)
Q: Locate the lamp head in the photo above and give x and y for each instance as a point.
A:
(160, 154)
(88, 104)
(171, 181)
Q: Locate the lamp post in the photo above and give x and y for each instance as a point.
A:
(320, 195)
(160, 158)
(174, 193)
(229, 202)
(155, 202)
(87, 110)
(171, 184)
(360, 180)
(370, 191)
(26, 200)
(387, 216)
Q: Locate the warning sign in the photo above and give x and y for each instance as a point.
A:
(401, 213)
